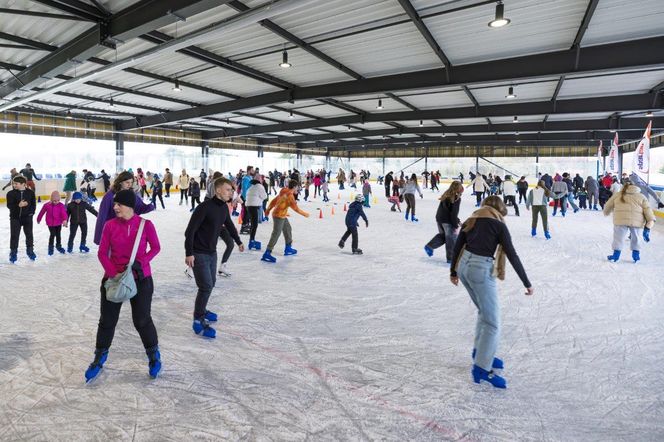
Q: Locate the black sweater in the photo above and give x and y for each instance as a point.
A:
(14, 197)
(204, 226)
(76, 212)
(483, 240)
(448, 213)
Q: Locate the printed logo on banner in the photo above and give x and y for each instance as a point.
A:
(641, 160)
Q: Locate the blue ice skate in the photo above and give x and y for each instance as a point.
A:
(413, 219)
(210, 316)
(428, 250)
(497, 363)
(615, 257)
(636, 256)
(202, 328)
(13, 256)
(50, 250)
(289, 250)
(533, 231)
(267, 257)
(31, 255)
(60, 250)
(154, 361)
(547, 235)
(101, 354)
(83, 249)
(480, 374)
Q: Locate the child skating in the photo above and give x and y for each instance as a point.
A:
(56, 218)
(22, 204)
(77, 219)
(354, 213)
(281, 204)
(366, 192)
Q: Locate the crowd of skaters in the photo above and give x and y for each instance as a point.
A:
(471, 247)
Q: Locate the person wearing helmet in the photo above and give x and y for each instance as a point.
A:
(354, 213)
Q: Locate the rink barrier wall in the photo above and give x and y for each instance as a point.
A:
(45, 187)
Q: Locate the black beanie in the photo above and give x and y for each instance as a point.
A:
(126, 198)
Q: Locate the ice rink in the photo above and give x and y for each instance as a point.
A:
(330, 346)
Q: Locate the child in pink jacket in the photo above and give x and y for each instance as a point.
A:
(56, 217)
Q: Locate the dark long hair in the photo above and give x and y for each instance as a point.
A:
(122, 176)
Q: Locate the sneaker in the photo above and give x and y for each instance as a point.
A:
(428, 250)
(202, 328)
(479, 374)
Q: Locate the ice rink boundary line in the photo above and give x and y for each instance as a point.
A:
(355, 390)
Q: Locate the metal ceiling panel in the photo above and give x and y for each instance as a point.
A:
(50, 31)
(522, 119)
(389, 105)
(325, 111)
(227, 81)
(640, 82)
(586, 116)
(125, 50)
(281, 116)
(416, 123)
(116, 5)
(619, 20)
(463, 121)
(189, 94)
(247, 120)
(536, 26)
(198, 21)
(524, 92)
(307, 70)
(171, 64)
(234, 43)
(311, 131)
(374, 126)
(440, 100)
(390, 50)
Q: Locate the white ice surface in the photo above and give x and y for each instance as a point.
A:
(330, 346)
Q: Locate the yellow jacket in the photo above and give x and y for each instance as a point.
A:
(282, 202)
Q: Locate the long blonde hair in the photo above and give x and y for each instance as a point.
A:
(453, 192)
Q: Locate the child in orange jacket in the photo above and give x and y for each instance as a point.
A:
(281, 204)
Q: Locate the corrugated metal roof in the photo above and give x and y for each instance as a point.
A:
(227, 81)
(524, 92)
(391, 50)
(389, 105)
(463, 121)
(586, 116)
(618, 20)
(54, 32)
(522, 119)
(536, 26)
(325, 111)
(640, 82)
(440, 100)
(116, 5)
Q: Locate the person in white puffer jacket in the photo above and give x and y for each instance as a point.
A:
(508, 188)
(255, 197)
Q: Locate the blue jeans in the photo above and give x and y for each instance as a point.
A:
(205, 274)
(570, 199)
(475, 274)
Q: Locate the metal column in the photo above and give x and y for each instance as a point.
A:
(205, 154)
(119, 152)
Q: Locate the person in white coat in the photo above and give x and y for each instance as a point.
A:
(508, 187)
(479, 187)
(256, 194)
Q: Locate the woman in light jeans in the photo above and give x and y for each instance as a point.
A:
(483, 235)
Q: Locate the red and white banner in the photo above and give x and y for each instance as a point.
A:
(612, 161)
(600, 151)
(641, 159)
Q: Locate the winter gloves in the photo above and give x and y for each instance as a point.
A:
(646, 234)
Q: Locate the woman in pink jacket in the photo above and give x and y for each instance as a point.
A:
(56, 217)
(117, 242)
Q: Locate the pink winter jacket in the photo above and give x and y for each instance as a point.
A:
(56, 214)
(118, 237)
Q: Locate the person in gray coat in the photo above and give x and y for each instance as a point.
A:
(593, 192)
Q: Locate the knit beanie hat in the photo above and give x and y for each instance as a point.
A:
(126, 198)
(77, 196)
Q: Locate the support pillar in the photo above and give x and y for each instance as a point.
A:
(426, 159)
(537, 163)
(477, 160)
(383, 162)
(205, 154)
(620, 161)
(119, 152)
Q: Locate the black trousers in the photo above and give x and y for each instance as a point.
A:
(226, 238)
(72, 234)
(351, 231)
(15, 231)
(387, 191)
(168, 190)
(522, 195)
(156, 195)
(410, 203)
(512, 198)
(184, 195)
(141, 305)
(144, 190)
(478, 196)
(196, 200)
(253, 217)
(55, 234)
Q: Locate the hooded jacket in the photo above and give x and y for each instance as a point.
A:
(282, 202)
(256, 194)
(56, 214)
(354, 213)
(76, 212)
(70, 182)
(634, 211)
(14, 197)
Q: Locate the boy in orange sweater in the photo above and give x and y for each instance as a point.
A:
(281, 204)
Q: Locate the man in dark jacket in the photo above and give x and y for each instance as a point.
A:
(354, 213)
(578, 183)
(30, 175)
(22, 205)
(200, 247)
(570, 191)
(548, 181)
(388, 184)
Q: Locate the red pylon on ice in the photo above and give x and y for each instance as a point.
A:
(239, 219)
(345, 209)
(332, 210)
(338, 196)
(320, 213)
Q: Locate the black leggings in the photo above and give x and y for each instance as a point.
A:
(410, 203)
(184, 194)
(72, 234)
(522, 195)
(156, 195)
(195, 200)
(140, 312)
(351, 231)
(226, 238)
(55, 234)
(479, 196)
(253, 217)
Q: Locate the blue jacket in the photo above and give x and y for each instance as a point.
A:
(354, 213)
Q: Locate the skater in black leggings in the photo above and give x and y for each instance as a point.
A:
(228, 240)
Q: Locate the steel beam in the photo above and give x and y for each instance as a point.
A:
(578, 105)
(39, 14)
(615, 56)
(85, 12)
(592, 5)
(424, 31)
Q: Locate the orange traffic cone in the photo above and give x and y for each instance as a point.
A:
(338, 196)
(332, 210)
(239, 219)
(320, 213)
(345, 209)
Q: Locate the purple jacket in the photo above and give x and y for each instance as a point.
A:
(106, 212)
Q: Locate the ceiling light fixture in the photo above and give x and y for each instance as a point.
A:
(518, 141)
(349, 129)
(499, 21)
(228, 121)
(421, 123)
(176, 86)
(649, 114)
(510, 93)
(516, 119)
(284, 60)
(380, 104)
(111, 103)
(290, 115)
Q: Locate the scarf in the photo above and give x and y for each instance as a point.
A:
(499, 259)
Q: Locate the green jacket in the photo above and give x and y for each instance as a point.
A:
(70, 182)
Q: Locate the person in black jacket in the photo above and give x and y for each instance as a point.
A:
(106, 178)
(522, 188)
(76, 218)
(388, 183)
(447, 219)
(22, 204)
(200, 247)
(354, 213)
(157, 191)
(30, 175)
(474, 264)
